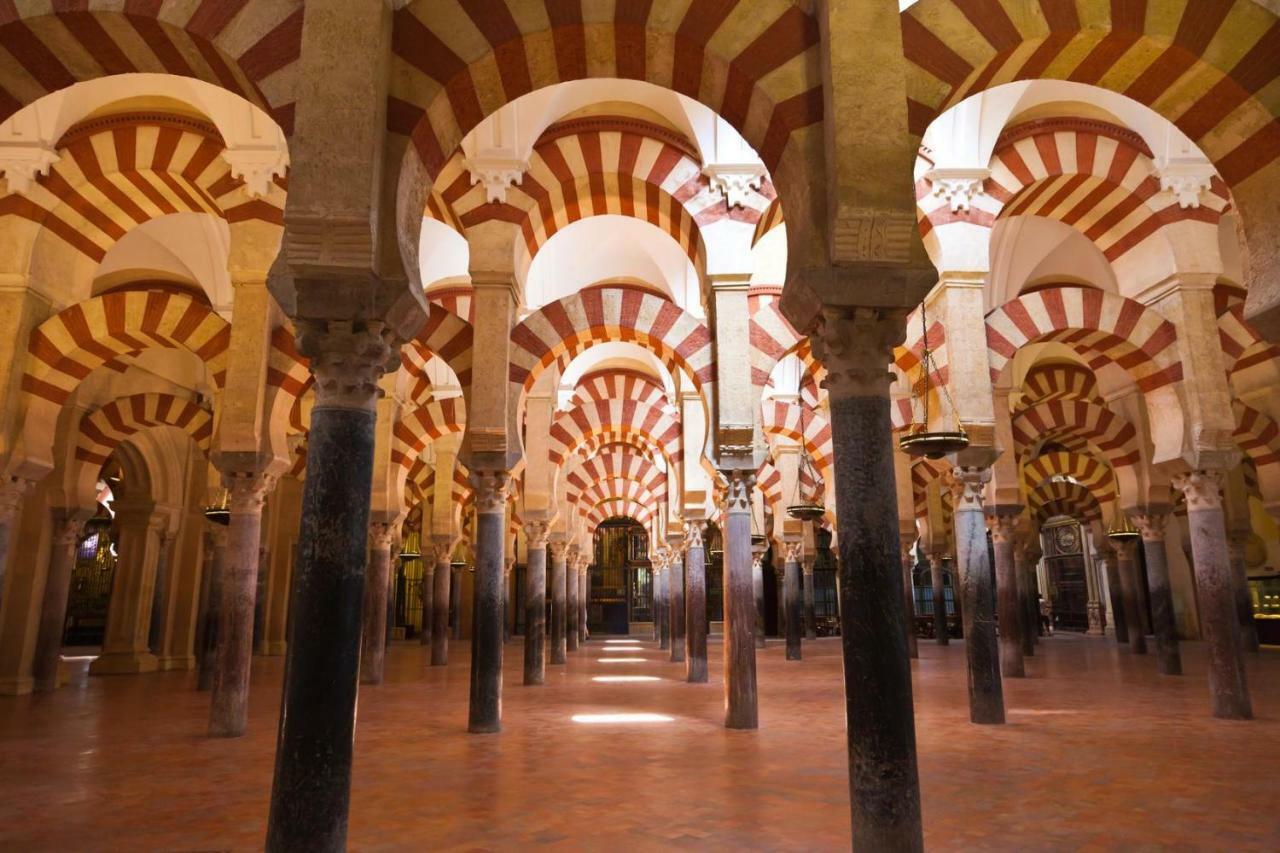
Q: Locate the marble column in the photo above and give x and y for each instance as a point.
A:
(508, 568)
(856, 347)
(535, 602)
(427, 595)
(485, 711)
(311, 789)
(1008, 604)
(1219, 619)
(1244, 604)
(584, 596)
(675, 597)
(986, 693)
(757, 591)
(229, 705)
(810, 619)
(559, 549)
(662, 586)
(940, 634)
(695, 604)
(1151, 523)
(571, 605)
(67, 527)
(12, 491)
(1127, 569)
(792, 606)
(160, 596)
(373, 653)
(1028, 612)
(124, 643)
(441, 597)
(739, 604)
(216, 567)
(455, 600)
(909, 594)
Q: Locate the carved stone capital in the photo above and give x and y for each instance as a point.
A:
(496, 174)
(1187, 182)
(380, 535)
(257, 166)
(1151, 523)
(68, 527)
(536, 533)
(856, 346)
(1003, 527)
(959, 187)
(347, 359)
(733, 180)
(692, 535)
(12, 490)
(794, 551)
(491, 490)
(737, 494)
(559, 548)
(21, 163)
(247, 490)
(966, 486)
(1203, 489)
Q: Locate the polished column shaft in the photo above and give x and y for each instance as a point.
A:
(67, 524)
(1119, 612)
(207, 660)
(792, 606)
(1008, 604)
(535, 603)
(1028, 611)
(810, 618)
(986, 693)
(1127, 569)
(675, 596)
(1151, 524)
(485, 708)
(584, 593)
(695, 605)
(739, 605)
(909, 597)
(559, 555)
(571, 607)
(940, 634)
(441, 596)
(662, 588)
(757, 592)
(1244, 603)
(377, 578)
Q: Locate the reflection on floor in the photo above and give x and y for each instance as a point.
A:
(1100, 752)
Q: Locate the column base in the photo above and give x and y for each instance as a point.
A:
(17, 686)
(171, 663)
(124, 663)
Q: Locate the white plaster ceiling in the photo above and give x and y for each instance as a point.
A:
(188, 246)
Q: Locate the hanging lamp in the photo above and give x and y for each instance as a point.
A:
(220, 512)
(919, 440)
(804, 507)
(1122, 530)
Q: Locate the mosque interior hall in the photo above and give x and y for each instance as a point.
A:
(698, 424)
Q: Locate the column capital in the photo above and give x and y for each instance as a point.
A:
(380, 535)
(12, 490)
(967, 484)
(794, 550)
(1003, 525)
(347, 359)
(675, 541)
(247, 490)
(692, 534)
(737, 493)
(855, 345)
(536, 533)
(1202, 488)
(68, 526)
(558, 546)
(491, 490)
(1151, 521)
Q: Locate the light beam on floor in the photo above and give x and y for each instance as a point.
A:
(623, 718)
(623, 679)
(623, 660)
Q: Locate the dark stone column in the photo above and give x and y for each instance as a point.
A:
(986, 693)
(1118, 609)
(1004, 527)
(535, 603)
(1028, 613)
(485, 712)
(757, 591)
(940, 635)
(160, 596)
(208, 657)
(559, 569)
(662, 586)
(427, 595)
(455, 601)
(311, 790)
(12, 491)
(229, 707)
(67, 526)
(739, 604)
(584, 596)
(571, 604)
(695, 604)
(1127, 569)
(508, 566)
(675, 596)
(810, 619)
(1244, 604)
(909, 593)
(856, 346)
(792, 606)
(1152, 523)
(377, 579)
(1219, 619)
(441, 597)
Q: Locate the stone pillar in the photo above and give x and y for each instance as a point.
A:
(124, 645)
(1127, 569)
(1119, 620)
(909, 593)
(1240, 582)
(160, 596)
(535, 603)
(229, 708)
(662, 590)
(427, 595)
(67, 526)
(571, 604)
(508, 566)
(1151, 523)
(1093, 608)
(986, 694)
(810, 619)
(1028, 611)
(441, 597)
(1219, 619)
(675, 596)
(584, 595)
(940, 635)
(695, 604)
(215, 567)
(311, 789)
(739, 604)
(485, 713)
(856, 346)
(377, 579)
(757, 591)
(559, 549)
(12, 490)
(792, 607)
(1008, 604)
(455, 600)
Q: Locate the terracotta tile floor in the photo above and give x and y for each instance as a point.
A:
(1099, 753)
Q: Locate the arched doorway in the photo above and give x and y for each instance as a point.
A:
(621, 587)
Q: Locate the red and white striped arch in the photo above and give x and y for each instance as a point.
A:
(422, 483)
(624, 465)
(103, 429)
(1090, 472)
(813, 430)
(420, 426)
(923, 473)
(1078, 425)
(1241, 344)
(1045, 383)
(446, 336)
(1062, 497)
(1109, 329)
(614, 419)
(288, 379)
(250, 49)
(613, 489)
(561, 330)
(618, 507)
(1204, 66)
(1256, 434)
(618, 384)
